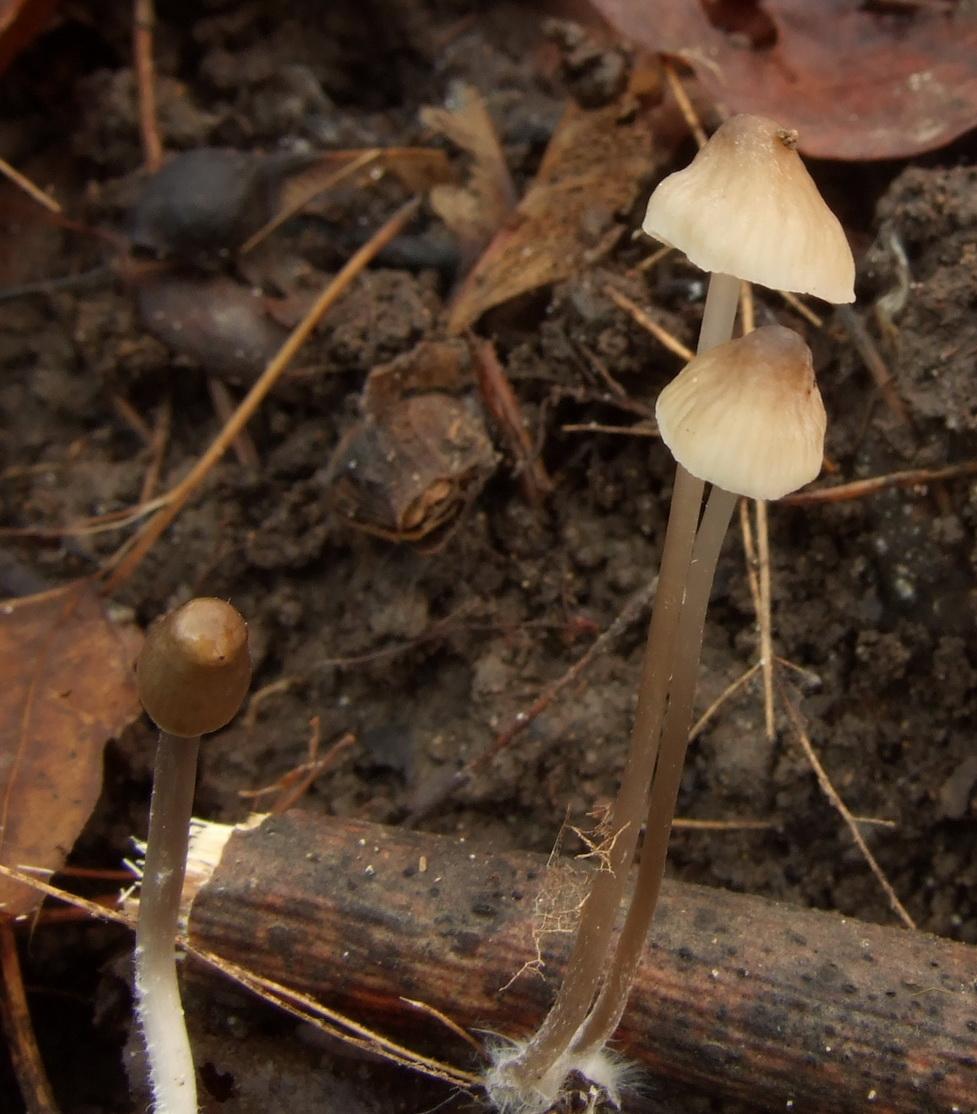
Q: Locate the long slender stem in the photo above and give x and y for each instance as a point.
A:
(585, 968)
(722, 301)
(158, 1002)
(607, 1012)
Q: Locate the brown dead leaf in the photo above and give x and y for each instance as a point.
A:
(858, 80)
(474, 211)
(593, 168)
(21, 21)
(68, 687)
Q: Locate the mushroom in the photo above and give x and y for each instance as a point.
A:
(748, 418)
(193, 673)
(747, 209)
(747, 206)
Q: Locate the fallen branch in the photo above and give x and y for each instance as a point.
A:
(737, 995)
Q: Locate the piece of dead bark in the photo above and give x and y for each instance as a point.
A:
(407, 472)
(737, 995)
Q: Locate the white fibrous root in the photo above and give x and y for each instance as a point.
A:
(595, 1080)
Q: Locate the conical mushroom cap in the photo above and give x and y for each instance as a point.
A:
(747, 415)
(195, 668)
(746, 206)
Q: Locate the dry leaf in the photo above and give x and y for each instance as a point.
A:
(476, 210)
(21, 21)
(68, 688)
(592, 170)
(858, 80)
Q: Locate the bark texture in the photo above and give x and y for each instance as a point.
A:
(736, 995)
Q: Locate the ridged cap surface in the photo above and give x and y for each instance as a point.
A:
(746, 206)
(747, 415)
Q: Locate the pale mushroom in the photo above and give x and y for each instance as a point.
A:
(747, 415)
(746, 206)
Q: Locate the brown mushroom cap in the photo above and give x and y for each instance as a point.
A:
(195, 669)
(746, 206)
(747, 415)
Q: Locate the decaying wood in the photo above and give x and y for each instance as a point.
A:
(783, 1007)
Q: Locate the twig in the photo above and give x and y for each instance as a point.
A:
(435, 795)
(639, 429)
(501, 402)
(832, 794)
(15, 1013)
(132, 418)
(299, 1005)
(129, 559)
(143, 24)
(659, 332)
(761, 597)
(691, 824)
(716, 965)
(684, 103)
(730, 690)
(764, 616)
(873, 360)
(446, 1021)
(747, 314)
(158, 443)
(655, 258)
(28, 187)
(259, 696)
(360, 162)
(223, 403)
(799, 307)
(99, 524)
(749, 553)
(858, 489)
(293, 786)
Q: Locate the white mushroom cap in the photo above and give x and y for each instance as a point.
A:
(747, 415)
(746, 206)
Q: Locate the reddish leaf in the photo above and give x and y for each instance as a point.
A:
(68, 688)
(20, 22)
(857, 80)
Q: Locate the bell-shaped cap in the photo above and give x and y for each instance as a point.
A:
(194, 669)
(747, 415)
(746, 206)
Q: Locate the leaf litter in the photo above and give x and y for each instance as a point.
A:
(69, 688)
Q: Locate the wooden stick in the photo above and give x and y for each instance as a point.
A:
(827, 787)
(15, 1015)
(684, 103)
(785, 1008)
(24, 183)
(659, 332)
(764, 616)
(858, 489)
(143, 26)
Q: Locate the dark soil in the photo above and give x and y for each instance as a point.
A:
(425, 652)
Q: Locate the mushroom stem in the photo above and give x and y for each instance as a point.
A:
(586, 965)
(157, 992)
(722, 301)
(609, 1008)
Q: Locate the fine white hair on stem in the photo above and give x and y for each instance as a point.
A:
(598, 1078)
